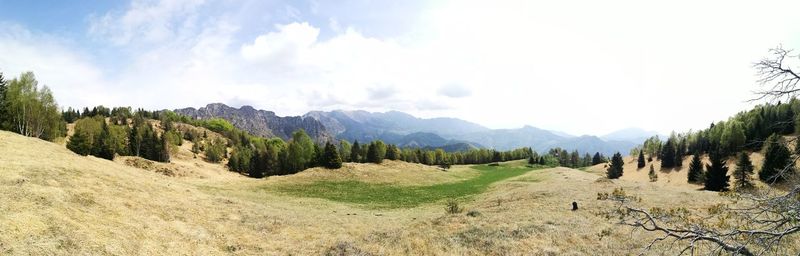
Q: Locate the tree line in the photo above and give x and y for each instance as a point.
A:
(259, 157)
(106, 132)
(29, 109)
(561, 157)
(761, 129)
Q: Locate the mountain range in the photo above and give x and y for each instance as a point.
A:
(405, 130)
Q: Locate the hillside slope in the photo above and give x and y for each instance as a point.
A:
(59, 203)
(260, 122)
(673, 176)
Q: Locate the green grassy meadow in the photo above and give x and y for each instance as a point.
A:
(392, 196)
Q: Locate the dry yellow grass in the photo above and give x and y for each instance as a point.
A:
(673, 176)
(392, 172)
(57, 203)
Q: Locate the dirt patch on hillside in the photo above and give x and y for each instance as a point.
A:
(166, 169)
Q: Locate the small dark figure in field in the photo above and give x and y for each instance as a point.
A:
(574, 206)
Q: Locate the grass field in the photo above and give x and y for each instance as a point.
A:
(393, 196)
(55, 202)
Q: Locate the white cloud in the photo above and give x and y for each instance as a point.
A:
(70, 75)
(454, 91)
(146, 21)
(593, 69)
(288, 45)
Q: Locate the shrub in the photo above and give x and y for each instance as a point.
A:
(452, 207)
(216, 151)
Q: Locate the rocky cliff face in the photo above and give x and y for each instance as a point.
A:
(260, 122)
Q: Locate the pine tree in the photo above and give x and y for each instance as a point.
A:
(652, 174)
(134, 141)
(373, 153)
(164, 149)
(104, 144)
(596, 159)
(80, 144)
(641, 160)
(777, 161)
(332, 160)
(615, 169)
(319, 157)
(355, 152)
(257, 165)
(744, 168)
(392, 152)
(696, 169)
(668, 155)
(717, 172)
(532, 160)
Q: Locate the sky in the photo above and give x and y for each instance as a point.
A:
(580, 67)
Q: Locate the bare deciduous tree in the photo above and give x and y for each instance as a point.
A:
(776, 76)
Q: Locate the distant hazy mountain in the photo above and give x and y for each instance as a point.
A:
(592, 144)
(461, 146)
(339, 122)
(405, 130)
(504, 139)
(260, 122)
(395, 127)
(562, 134)
(634, 135)
(543, 140)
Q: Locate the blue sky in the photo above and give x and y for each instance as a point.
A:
(503, 64)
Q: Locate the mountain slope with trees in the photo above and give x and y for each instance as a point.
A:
(260, 122)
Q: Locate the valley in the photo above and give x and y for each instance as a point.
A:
(63, 203)
(367, 128)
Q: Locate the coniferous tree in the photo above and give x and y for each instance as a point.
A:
(641, 160)
(777, 161)
(134, 141)
(355, 152)
(717, 177)
(652, 174)
(496, 157)
(164, 149)
(106, 148)
(614, 171)
(80, 144)
(392, 152)
(597, 159)
(257, 165)
(319, 156)
(742, 173)
(695, 174)
(332, 160)
(374, 153)
(668, 155)
(678, 158)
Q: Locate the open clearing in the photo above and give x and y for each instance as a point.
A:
(57, 203)
(386, 195)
